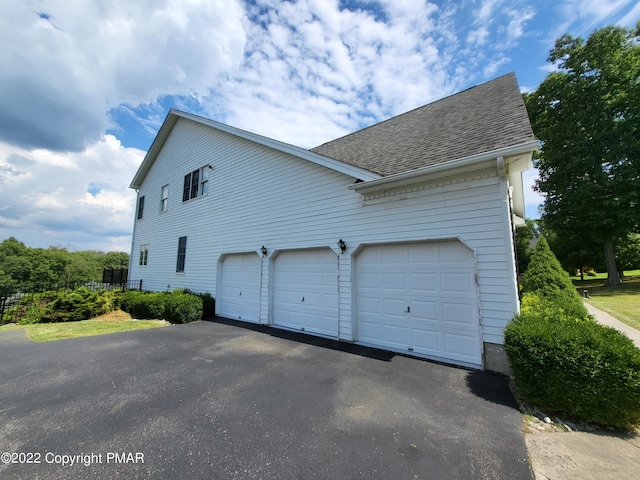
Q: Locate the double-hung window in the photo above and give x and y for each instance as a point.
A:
(182, 254)
(144, 253)
(196, 184)
(164, 198)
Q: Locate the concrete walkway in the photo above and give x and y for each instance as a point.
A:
(587, 455)
(606, 319)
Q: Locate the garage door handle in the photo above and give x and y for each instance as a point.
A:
(408, 310)
(303, 299)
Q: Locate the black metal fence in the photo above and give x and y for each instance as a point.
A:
(11, 296)
(115, 275)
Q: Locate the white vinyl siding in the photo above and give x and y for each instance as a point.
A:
(260, 196)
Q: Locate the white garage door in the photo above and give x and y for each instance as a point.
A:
(419, 298)
(305, 291)
(239, 296)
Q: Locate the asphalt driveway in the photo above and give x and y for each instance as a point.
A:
(218, 400)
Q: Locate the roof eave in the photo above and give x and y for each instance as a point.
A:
(410, 176)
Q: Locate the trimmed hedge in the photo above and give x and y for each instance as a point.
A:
(176, 307)
(574, 365)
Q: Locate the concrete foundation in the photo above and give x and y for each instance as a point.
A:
(495, 359)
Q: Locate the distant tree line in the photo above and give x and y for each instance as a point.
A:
(27, 268)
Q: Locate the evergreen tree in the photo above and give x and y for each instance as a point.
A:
(546, 278)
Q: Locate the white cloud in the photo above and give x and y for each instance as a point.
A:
(317, 72)
(66, 63)
(45, 199)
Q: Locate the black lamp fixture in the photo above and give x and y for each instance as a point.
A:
(342, 245)
(263, 249)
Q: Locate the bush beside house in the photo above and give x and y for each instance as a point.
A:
(179, 306)
(565, 362)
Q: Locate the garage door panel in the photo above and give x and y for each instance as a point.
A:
(437, 281)
(424, 310)
(457, 282)
(392, 255)
(462, 346)
(305, 293)
(423, 282)
(395, 334)
(426, 341)
(393, 280)
(422, 255)
(392, 307)
(459, 314)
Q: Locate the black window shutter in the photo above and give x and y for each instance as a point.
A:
(195, 179)
(187, 187)
(140, 207)
(182, 253)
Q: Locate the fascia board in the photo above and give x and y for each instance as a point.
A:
(412, 176)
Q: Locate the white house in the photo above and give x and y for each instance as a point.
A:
(398, 236)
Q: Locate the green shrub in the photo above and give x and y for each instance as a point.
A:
(183, 307)
(31, 314)
(546, 278)
(208, 303)
(535, 305)
(75, 305)
(575, 366)
(176, 307)
(125, 300)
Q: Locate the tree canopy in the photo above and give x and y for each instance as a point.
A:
(587, 115)
(36, 268)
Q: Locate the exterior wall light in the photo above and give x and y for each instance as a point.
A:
(342, 245)
(263, 249)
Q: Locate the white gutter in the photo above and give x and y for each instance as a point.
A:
(460, 162)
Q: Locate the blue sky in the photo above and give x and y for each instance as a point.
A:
(85, 85)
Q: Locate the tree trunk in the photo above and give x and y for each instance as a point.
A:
(613, 276)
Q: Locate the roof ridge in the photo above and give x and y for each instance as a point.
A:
(466, 90)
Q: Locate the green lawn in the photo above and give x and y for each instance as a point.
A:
(621, 302)
(44, 332)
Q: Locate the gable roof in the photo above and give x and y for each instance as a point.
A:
(485, 118)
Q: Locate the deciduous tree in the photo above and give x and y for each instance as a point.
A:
(587, 115)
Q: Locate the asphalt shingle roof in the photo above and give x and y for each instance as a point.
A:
(480, 119)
